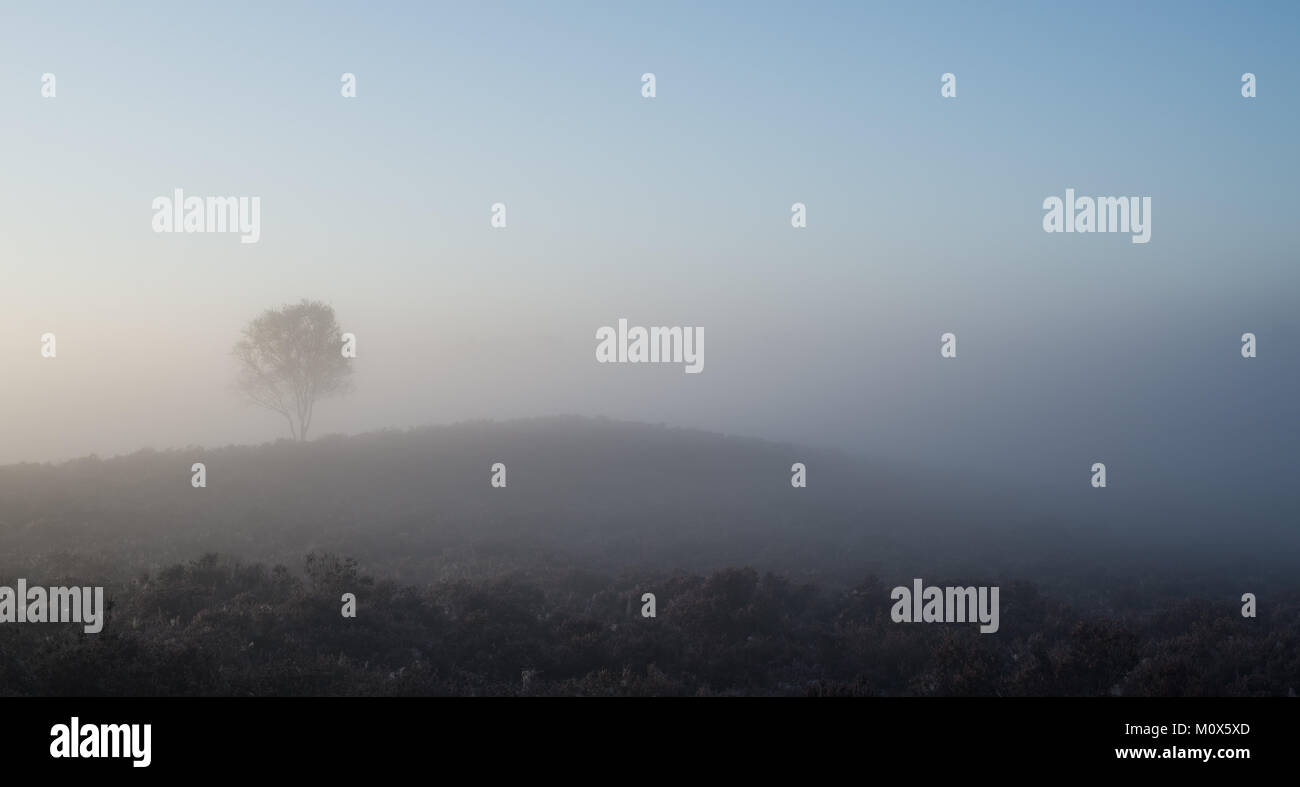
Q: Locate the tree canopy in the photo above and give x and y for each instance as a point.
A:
(290, 358)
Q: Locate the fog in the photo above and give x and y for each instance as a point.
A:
(924, 217)
(902, 378)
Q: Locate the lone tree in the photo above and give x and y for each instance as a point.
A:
(291, 357)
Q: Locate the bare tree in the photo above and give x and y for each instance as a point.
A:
(292, 357)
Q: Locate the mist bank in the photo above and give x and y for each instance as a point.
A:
(590, 493)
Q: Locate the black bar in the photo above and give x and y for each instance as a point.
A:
(329, 736)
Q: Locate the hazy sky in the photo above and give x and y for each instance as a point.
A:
(924, 216)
